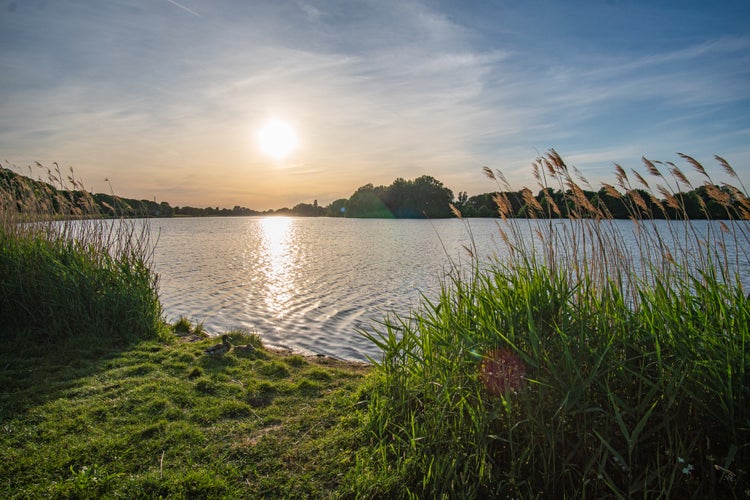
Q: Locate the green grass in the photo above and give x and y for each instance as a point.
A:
(608, 379)
(577, 367)
(164, 419)
(100, 398)
(55, 288)
(86, 279)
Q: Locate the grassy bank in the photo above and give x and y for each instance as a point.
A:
(580, 365)
(100, 398)
(163, 419)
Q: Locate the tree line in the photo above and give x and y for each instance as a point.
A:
(700, 203)
(423, 197)
(426, 197)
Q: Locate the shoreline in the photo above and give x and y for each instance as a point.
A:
(285, 351)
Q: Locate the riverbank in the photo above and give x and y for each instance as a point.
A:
(580, 365)
(162, 418)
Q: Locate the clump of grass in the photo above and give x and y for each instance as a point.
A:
(67, 273)
(241, 336)
(581, 365)
(182, 326)
(273, 369)
(185, 326)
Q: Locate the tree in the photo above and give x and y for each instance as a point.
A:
(365, 202)
(461, 200)
(431, 197)
(337, 208)
(307, 210)
(480, 205)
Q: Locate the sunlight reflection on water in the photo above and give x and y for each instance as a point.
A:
(280, 261)
(305, 283)
(311, 283)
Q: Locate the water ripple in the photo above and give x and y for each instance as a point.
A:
(309, 284)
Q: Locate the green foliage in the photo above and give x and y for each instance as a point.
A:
(424, 197)
(236, 211)
(420, 198)
(84, 279)
(578, 367)
(337, 208)
(67, 197)
(273, 369)
(308, 210)
(54, 288)
(366, 202)
(185, 326)
(635, 377)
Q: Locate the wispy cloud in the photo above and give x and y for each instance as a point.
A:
(176, 4)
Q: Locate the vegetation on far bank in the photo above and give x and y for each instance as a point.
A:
(577, 367)
(423, 197)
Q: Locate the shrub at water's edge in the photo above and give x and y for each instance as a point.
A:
(89, 278)
(577, 367)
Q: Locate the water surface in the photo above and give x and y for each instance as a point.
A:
(311, 283)
(305, 283)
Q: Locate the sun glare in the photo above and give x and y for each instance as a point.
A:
(277, 139)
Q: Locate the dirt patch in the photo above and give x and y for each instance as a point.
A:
(189, 337)
(255, 438)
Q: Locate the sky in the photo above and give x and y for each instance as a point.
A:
(166, 98)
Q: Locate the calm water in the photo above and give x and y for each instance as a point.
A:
(304, 283)
(309, 283)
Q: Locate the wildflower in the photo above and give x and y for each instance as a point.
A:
(687, 469)
(502, 371)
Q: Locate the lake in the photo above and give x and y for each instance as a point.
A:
(305, 283)
(311, 283)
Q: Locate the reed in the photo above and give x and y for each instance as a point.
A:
(66, 272)
(578, 366)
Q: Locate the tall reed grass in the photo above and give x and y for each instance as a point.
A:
(66, 273)
(579, 366)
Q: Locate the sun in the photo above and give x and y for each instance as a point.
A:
(277, 139)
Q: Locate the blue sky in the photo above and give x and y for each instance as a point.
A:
(165, 98)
